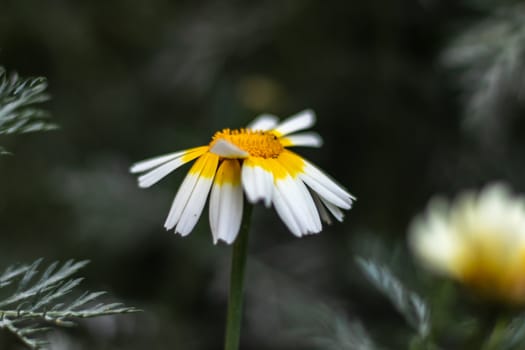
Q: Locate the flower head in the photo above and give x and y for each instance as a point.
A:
(254, 159)
(479, 241)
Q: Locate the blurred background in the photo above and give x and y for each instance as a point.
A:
(413, 98)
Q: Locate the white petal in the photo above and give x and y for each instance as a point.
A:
(191, 196)
(153, 162)
(227, 149)
(263, 122)
(438, 246)
(194, 206)
(257, 182)
(312, 214)
(307, 139)
(226, 206)
(284, 210)
(325, 187)
(156, 175)
(322, 209)
(159, 173)
(334, 210)
(181, 198)
(300, 204)
(299, 121)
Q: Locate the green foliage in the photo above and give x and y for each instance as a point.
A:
(31, 301)
(332, 330)
(490, 57)
(299, 318)
(509, 336)
(20, 100)
(409, 304)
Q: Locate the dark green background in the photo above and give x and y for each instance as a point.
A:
(132, 79)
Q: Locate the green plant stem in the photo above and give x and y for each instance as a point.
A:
(239, 254)
(59, 316)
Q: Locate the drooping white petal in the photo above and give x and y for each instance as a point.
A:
(227, 212)
(227, 149)
(159, 173)
(191, 196)
(307, 139)
(154, 162)
(257, 182)
(197, 199)
(325, 187)
(298, 200)
(155, 175)
(226, 202)
(312, 214)
(322, 209)
(334, 210)
(180, 200)
(292, 198)
(194, 206)
(263, 122)
(295, 188)
(299, 121)
(284, 210)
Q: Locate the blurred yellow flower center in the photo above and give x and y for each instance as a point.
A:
(257, 143)
(495, 268)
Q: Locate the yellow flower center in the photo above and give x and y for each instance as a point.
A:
(263, 144)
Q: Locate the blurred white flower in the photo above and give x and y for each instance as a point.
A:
(255, 159)
(479, 240)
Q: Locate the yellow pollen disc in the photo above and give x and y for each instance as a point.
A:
(257, 143)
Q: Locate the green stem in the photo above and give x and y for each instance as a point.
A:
(234, 316)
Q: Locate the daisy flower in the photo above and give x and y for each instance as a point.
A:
(479, 240)
(254, 160)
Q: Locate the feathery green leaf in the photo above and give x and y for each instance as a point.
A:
(20, 100)
(41, 299)
(408, 303)
(490, 58)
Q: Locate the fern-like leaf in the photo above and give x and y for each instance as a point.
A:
(512, 337)
(338, 331)
(409, 304)
(7, 277)
(20, 100)
(490, 58)
(38, 300)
